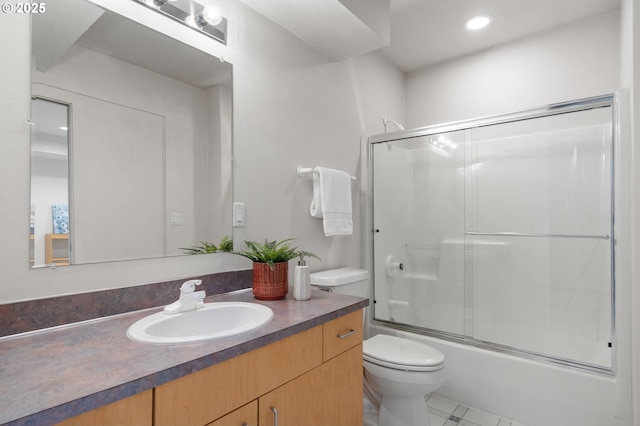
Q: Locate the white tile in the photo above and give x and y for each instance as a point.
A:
(516, 424)
(504, 422)
(460, 411)
(477, 417)
(441, 404)
(436, 420)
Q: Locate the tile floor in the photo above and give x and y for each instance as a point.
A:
(443, 412)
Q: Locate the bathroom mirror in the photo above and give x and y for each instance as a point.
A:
(131, 140)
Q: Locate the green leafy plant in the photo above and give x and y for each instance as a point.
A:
(271, 252)
(226, 245)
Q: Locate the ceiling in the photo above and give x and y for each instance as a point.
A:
(426, 32)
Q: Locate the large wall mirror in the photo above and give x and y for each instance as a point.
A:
(131, 140)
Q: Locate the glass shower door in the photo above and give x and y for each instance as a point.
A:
(418, 196)
(539, 228)
(500, 235)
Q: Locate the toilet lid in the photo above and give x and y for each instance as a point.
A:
(402, 354)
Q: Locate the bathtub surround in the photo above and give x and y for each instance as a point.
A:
(484, 379)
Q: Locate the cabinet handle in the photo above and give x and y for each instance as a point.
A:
(275, 416)
(347, 334)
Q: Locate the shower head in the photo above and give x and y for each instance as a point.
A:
(386, 121)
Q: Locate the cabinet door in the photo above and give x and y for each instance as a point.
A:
(134, 410)
(243, 416)
(327, 395)
(206, 395)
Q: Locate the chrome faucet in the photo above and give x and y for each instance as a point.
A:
(189, 298)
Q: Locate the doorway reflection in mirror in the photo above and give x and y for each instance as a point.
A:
(49, 224)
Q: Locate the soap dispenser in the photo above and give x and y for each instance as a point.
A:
(301, 280)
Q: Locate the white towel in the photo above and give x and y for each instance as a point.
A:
(332, 201)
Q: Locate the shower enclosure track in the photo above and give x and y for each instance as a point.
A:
(520, 234)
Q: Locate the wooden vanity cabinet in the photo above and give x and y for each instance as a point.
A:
(330, 394)
(311, 378)
(206, 395)
(243, 416)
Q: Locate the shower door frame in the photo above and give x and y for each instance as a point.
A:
(603, 101)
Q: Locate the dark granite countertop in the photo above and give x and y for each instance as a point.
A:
(50, 375)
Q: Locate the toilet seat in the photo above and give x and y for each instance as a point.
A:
(402, 354)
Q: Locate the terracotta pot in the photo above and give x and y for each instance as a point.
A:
(270, 284)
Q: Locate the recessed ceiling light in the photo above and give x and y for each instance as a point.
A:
(478, 22)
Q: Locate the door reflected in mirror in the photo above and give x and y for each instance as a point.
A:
(148, 146)
(49, 219)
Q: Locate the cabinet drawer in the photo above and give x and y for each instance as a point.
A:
(341, 334)
(206, 395)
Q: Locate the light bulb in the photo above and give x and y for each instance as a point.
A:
(212, 15)
(478, 22)
(157, 4)
(195, 21)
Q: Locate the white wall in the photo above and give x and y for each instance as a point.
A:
(572, 62)
(292, 107)
(630, 24)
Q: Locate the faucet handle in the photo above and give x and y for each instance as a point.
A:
(189, 286)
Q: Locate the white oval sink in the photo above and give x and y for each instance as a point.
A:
(213, 320)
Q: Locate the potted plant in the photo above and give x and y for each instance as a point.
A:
(271, 266)
(226, 245)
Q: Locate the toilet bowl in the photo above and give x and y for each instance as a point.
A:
(398, 372)
(401, 372)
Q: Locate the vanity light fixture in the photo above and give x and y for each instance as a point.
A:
(207, 20)
(478, 22)
(212, 15)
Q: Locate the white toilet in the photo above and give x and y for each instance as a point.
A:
(398, 372)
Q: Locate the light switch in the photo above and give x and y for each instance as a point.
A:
(176, 219)
(238, 214)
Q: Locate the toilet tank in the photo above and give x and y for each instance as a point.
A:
(351, 281)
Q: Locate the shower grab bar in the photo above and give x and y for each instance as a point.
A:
(520, 234)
